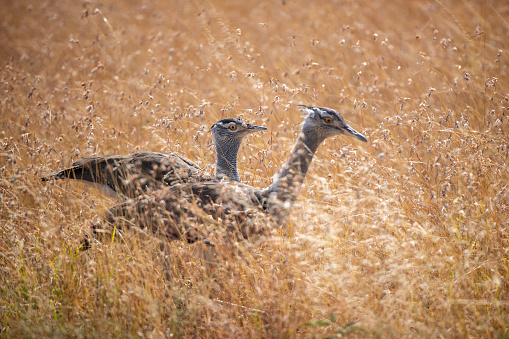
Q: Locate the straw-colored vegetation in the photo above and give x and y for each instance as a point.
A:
(403, 236)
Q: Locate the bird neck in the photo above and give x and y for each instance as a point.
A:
(294, 171)
(226, 161)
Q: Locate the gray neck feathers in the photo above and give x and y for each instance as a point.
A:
(226, 162)
(293, 172)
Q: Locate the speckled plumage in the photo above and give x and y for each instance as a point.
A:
(236, 206)
(129, 176)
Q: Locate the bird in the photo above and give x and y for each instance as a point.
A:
(234, 206)
(128, 176)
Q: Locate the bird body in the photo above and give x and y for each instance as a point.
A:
(129, 176)
(174, 211)
(237, 205)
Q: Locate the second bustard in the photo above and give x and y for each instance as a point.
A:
(173, 212)
(129, 176)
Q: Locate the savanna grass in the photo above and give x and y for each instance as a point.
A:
(405, 236)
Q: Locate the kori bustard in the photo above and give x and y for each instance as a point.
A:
(129, 176)
(175, 211)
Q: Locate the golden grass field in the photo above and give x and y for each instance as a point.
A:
(404, 236)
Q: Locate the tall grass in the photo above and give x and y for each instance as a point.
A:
(405, 236)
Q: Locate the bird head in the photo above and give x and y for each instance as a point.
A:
(326, 122)
(232, 129)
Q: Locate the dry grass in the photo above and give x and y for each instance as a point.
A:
(405, 236)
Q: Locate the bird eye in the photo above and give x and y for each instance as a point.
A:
(327, 120)
(232, 127)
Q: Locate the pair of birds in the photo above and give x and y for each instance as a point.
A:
(168, 194)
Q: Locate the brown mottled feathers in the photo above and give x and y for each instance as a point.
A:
(191, 212)
(134, 174)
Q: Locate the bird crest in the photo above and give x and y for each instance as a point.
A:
(306, 110)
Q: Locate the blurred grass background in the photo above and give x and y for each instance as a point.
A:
(405, 236)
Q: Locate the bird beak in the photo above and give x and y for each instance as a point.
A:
(351, 132)
(254, 128)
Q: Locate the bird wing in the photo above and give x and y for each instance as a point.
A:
(131, 175)
(184, 211)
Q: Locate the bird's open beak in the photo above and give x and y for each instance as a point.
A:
(351, 132)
